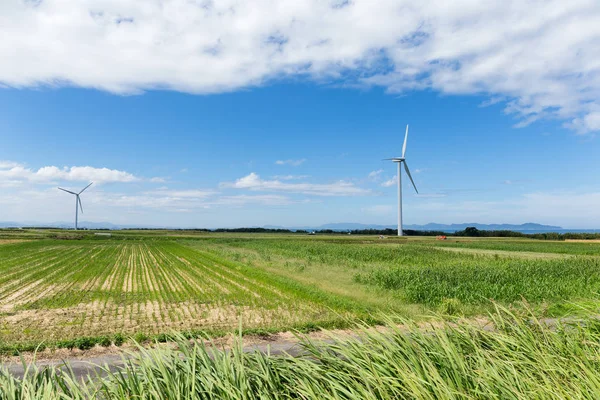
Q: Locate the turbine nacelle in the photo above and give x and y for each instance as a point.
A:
(394, 159)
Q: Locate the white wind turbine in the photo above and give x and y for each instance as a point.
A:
(399, 161)
(77, 201)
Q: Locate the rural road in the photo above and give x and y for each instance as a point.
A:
(92, 366)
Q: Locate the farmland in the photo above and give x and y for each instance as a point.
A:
(54, 288)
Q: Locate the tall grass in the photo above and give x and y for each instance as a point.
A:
(504, 280)
(521, 358)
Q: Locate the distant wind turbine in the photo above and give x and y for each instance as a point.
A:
(77, 201)
(402, 160)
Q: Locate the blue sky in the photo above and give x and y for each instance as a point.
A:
(286, 136)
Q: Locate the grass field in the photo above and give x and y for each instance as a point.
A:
(521, 358)
(144, 284)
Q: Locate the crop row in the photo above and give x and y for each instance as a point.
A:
(56, 290)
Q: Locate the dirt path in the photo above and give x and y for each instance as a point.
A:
(95, 361)
(91, 362)
(10, 241)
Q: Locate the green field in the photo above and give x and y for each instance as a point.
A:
(57, 286)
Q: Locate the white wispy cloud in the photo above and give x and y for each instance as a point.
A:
(26, 204)
(540, 58)
(8, 164)
(190, 193)
(12, 172)
(293, 163)
(390, 182)
(375, 175)
(189, 200)
(254, 182)
(290, 177)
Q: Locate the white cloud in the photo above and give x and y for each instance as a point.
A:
(290, 177)
(589, 122)
(14, 173)
(192, 193)
(254, 182)
(390, 182)
(293, 163)
(24, 205)
(375, 175)
(8, 164)
(543, 57)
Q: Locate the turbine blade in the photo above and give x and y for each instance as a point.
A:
(411, 179)
(405, 138)
(68, 191)
(80, 205)
(85, 188)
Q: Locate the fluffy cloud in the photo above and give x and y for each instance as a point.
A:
(540, 58)
(14, 173)
(293, 163)
(254, 182)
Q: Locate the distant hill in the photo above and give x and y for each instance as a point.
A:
(342, 226)
(530, 226)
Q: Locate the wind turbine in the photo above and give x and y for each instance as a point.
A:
(77, 201)
(400, 161)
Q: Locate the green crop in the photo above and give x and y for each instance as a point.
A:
(87, 292)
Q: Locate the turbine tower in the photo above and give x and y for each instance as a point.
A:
(77, 201)
(400, 161)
